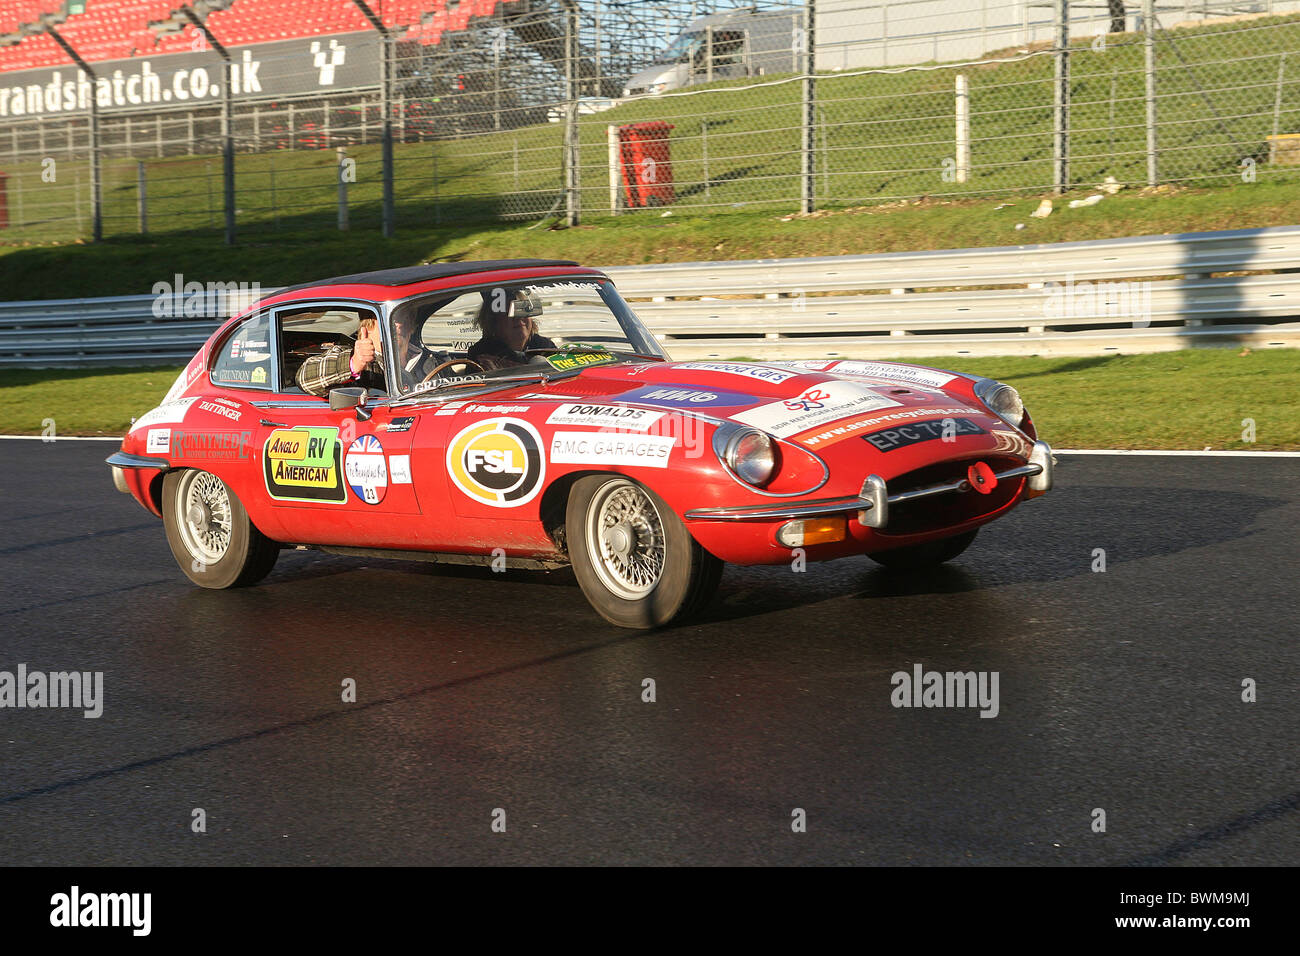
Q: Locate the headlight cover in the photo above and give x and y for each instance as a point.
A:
(752, 456)
(1001, 399)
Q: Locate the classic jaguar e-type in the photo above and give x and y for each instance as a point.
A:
(432, 434)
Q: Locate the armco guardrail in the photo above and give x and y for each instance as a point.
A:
(1073, 298)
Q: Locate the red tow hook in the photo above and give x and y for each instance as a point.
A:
(981, 478)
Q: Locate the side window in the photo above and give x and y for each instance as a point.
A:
(310, 331)
(245, 358)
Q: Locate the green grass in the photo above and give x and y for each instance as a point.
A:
(1187, 399)
(128, 266)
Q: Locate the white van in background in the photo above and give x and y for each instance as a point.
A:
(736, 43)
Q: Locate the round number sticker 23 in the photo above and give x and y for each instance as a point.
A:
(498, 462)
(366, 470)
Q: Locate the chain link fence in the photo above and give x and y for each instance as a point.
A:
(579, 108)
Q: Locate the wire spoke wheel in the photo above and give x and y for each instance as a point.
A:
(203, 516)
(625, 537)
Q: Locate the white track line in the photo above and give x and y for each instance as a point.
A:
(1181, 454)
(1057, 451)
(59, 438)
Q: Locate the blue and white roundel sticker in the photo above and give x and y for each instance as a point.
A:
(366, 469)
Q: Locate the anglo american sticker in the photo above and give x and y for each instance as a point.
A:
(817, 405)
(366, 470)
(304, 464)
(762, 372)
(895, 373)
(159, 441)
(601, 448)
(604, 416)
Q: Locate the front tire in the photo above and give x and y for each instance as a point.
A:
(918, 557)
(634, 559)
(209, 532)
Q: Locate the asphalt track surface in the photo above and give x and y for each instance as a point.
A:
(1119, 690)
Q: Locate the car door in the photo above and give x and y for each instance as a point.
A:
(333, 476)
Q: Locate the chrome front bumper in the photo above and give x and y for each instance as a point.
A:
(872, 503)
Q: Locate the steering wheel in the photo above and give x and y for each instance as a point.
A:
(444, 365)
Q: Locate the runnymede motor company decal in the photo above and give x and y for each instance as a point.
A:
(399, 469)
(304, 464)
(853, 429)
(687, 397)
(814, 406)
(366, 470)
(497, 462)
(596, 448)
(604, 416)
(761, 372)
(164, 414)
(158, 442)
(895, 373)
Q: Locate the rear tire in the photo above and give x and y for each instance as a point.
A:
(209, 532)
(634, 559)
(918, 557)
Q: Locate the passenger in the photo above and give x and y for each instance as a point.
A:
(508, 334)
(361, 364)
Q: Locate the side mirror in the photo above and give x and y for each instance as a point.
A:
(347, 398)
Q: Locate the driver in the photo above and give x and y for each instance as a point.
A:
(508, 332)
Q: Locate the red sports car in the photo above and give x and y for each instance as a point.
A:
(518, 414)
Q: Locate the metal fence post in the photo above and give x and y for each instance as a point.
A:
(611, 137)
(571, 117)
(227, 124)
(1061, 97)
(343, 190)
(808, 165)
(386, 107)
(963, 128)
(1149, 62)
(1277, 98)
(96, 192)
(141, 198)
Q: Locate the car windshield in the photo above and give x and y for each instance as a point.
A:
(680, 50)
(511, 330)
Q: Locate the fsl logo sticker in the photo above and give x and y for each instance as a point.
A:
(366, 470)
(498, 463)
(303, 464)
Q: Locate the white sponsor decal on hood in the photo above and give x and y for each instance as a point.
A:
(604, 416)
(763, 372)
(814, 406)
(599, 448)
(896, 373)
(158, 442)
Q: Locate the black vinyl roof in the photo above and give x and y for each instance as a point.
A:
(438, 270)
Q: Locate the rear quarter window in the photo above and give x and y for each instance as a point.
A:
(244, 359)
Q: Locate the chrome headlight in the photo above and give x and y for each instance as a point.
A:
(1003, 400)
(752, 456)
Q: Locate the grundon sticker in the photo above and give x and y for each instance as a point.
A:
(303, 464)
(498, 463)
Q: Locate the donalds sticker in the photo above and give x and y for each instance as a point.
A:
(498, 462)
(304, 464)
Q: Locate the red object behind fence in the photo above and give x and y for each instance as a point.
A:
(647, 164)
